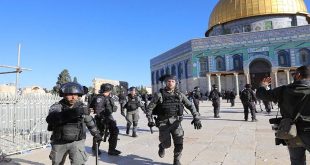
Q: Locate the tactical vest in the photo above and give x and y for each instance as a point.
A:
(74, 130)
(132, 104)
(104, 106)
(171, 105)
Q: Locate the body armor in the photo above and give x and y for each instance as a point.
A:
(171, 105)
(132, 104)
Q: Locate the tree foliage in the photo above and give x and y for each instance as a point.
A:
(63, 77)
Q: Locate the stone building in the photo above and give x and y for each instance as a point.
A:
(98, 81)
(245, 41)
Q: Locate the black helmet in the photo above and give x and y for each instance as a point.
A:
(105, 87)
(167, 77)
(214, 86)
(71, 88)
(132, 88)
(248, 86)
(197, 88)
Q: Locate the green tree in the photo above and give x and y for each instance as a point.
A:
(75, 80)
(63, 77)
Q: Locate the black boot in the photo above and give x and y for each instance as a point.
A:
(176, 162)
(161, 151)
(128, 129)
(114, 152)
(134, 132)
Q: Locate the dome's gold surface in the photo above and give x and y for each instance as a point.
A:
(229, 10)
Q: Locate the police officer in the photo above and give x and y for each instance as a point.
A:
(293, 99)
(68, 120)
(248, 98)
(168, 105)
(133, 102)
(216, 101)
(104, 107)
(196, 97)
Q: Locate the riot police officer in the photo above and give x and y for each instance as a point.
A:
(68, 120)
(168, 105)
(216, 100)
(293, 100)
(103, 108)
(248, 100)
(196, 97)
(133, 102)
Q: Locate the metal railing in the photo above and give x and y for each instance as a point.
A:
(22, 121)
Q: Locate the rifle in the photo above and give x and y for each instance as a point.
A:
(151, 129)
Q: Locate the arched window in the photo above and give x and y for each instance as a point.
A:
(162, 72)
(167, 70)
(173, 70)
(220, 63)
(237, 61)
(304, 56)
(284, 58)
(186, 69)
(157, 77)
(152, 78)
(203, 66)
(180, 71)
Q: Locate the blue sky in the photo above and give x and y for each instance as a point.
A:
(110, 39)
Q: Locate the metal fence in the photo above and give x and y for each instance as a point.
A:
(22, 121)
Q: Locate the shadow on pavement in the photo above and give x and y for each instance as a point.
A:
(18, 161)
(130, 159)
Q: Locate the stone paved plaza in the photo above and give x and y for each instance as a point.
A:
(225, 141)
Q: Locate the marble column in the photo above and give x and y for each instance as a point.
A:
(275, 74)
(208, 75)
(287, 73)
(219, 81)
(237, 83)
(247, 77)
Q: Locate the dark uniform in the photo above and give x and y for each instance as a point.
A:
(133, 102)
(196, 97)
(232, 97)
(216, 101)
(104, 107)
(68, 123)
(289, 101)
(248, 100)
(168, 105)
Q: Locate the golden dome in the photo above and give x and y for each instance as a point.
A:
(229, 10)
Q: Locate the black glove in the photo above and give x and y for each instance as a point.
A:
(151, 124)
(197, 123)
(97, 137)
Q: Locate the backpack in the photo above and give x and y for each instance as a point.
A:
(246, 96)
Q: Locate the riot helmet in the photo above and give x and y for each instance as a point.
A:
(248, 86)
(214, 86)
(132, 88)
(197, 88)
(71, 88)
(105, 87)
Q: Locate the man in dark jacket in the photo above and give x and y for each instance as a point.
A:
(169, 106)
(68, 120)
(104, 107)
(216, 100)
(248, 100)
(196, 94)
(132, 104)
(293, 99)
